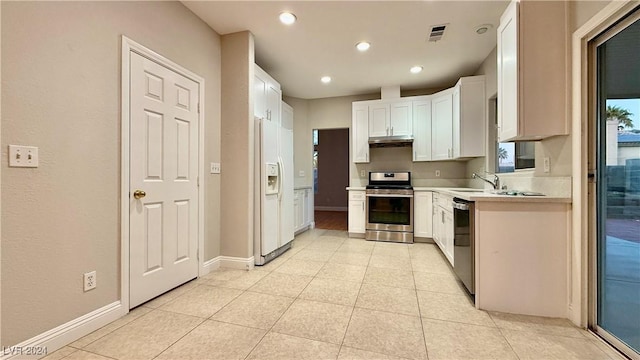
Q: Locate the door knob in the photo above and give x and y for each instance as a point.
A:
(139, 194)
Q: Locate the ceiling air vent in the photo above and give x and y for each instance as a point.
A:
(437, 31)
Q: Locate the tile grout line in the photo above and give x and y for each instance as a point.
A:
(353, 308)
(419, 308)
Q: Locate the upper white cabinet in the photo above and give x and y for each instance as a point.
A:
(267, 96)
(401, 118)
(532, 97)
(422, 129)
(379, 118)
(392, 118)
(442, 125)
(469, 125)
(360, 133)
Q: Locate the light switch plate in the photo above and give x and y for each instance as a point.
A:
(23, 156)
(215, 168)
(547, 164)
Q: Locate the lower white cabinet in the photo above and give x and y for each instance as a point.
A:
(302, 209)
(443, 224)
(356, 213)
(422, 214)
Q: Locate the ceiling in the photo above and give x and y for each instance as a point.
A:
(322, 41)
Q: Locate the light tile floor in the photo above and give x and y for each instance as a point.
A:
(331, 297)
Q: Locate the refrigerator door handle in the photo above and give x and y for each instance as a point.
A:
(280, 177)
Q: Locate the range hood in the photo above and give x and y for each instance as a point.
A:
(391, 141)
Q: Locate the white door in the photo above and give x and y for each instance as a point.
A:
(164, 165)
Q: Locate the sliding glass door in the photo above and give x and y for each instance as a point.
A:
(617, 185)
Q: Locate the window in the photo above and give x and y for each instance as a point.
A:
(512, 156)
(515, 156)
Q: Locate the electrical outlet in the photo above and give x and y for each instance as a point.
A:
(547, 164)
(301, 173)
(362, 173)
(23, 156)
(437, 173)
(215, 168)
(90, 280)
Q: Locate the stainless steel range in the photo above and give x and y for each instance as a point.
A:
(389, 207)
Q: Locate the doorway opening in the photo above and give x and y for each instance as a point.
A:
(331, 178)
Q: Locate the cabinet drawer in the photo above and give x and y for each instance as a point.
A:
(356, 195)
(442, 200)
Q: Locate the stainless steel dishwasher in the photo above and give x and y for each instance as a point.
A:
(464, 242)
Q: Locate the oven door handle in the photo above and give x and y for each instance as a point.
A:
(389, 195)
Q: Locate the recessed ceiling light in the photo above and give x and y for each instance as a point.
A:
(326, 79)
(363, 46)
(416, 69)
(287, 18)
(481, 29)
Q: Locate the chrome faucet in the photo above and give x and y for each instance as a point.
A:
(495, 183)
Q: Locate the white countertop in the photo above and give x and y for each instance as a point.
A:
(486, 195)
(355, 188)
(302, 187)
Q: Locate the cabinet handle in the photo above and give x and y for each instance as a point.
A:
(442, 213)
(363, 206)
(392, 131)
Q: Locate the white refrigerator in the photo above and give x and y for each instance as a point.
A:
(273, 225)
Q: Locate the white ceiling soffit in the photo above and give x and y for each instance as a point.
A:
(322, 41)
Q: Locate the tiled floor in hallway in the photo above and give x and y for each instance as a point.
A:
(331, 297)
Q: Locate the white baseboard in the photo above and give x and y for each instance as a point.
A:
(331, 208)
(210, 265)
(231, 262)
(64, 334)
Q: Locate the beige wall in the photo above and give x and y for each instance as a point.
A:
(238, 145)
(61, 92)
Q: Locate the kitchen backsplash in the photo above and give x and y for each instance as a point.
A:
(453, 173)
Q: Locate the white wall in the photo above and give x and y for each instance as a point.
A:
(61, 92)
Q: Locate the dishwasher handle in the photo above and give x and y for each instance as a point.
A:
(460, 205)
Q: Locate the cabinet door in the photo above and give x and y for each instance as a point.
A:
(508, 74)
(448, 235)
(401, 122)
(422, 214)
(379, 120)
(360, 133)
(442, 127)
(356, 216)
(260, 97)
(305, 208)
(274, 102)
(455, 121)
(422, 130)
(297, 213)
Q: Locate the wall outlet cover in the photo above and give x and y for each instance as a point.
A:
(301, 173)
(90, 281)
(437, 173)
(215, 168)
